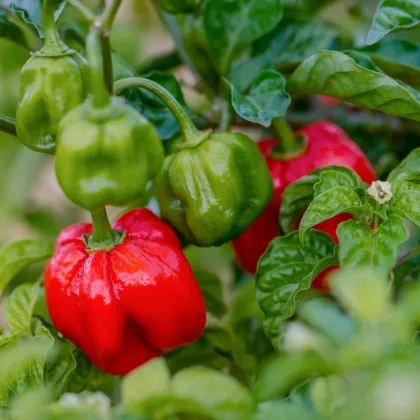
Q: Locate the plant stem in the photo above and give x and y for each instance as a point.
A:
(99, 90)
(226, 117)
(107, 60)
(83, 9)
(110, 14)
(287, 141)
(52, 41)
(7, 125)
(102, 230)
(188, 129)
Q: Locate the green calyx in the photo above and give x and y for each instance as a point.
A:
(106, 158)
(211, 193)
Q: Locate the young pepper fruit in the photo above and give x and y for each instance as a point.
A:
(326, 145)
(52, 82)
(106, 157)
(128, 305)
(211, 192)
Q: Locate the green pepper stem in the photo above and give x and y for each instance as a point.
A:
(289, 145)
(7, 125)
(100, 93)
(52, 42)
(188, 129)
(226, 117)
(110, 13)
(102, 231)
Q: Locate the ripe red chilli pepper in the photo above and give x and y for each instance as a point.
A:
(326, 144)
(130, 304)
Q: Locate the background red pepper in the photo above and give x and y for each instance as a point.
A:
(327, 145)
(128, 305)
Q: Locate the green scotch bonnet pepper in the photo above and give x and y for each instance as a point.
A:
(52, 83)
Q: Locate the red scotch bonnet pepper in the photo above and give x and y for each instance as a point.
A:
(130, 304)
(326, 145)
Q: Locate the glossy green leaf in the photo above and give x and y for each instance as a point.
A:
(267, 99)
(286, 269)
(279, 376)
(360, 246)
(336, 176)
(211, 288)
(231, 25)
(328, 204)
(335, 74)
(392, 15)
(294, 41)
(220, 396)
(17, 255)
(398, 58)
(304, 8)
(406, 196)
(296, 199)
(150, 380)
(20, 306)
(411, 163)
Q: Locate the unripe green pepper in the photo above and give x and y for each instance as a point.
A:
(212, 192)
(179, 6)
(106, 157)
(52, 84)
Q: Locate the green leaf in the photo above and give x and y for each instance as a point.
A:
(304, 8)
(266, 99)
(336, 176)
(20, 306)
(150, 380)
(285, 270)
(215, 394)
(328, 204)
(279, 376)
(392, 15)
(406, 196)
(363, 291)
(398, 58)
(294, 41)
(411, 163)
(335, 74)
(15, 256)
(9, 337)
(360, 246)
(211, 288)
(60, 366)
(231, 25)
(284, 410)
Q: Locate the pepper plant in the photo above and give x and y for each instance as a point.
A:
(242, 237)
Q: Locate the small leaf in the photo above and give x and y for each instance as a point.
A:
(328, 204)
(392, 15)
(266, 100)
(286, 269)
(220, 396)
(150, 380)
(294, 41)
(398, 58)
(406, 196)
(20, 306)
(411, 163)
(15, 256)
(359, 246)
(335, 74)
(231, 25)
(332, 177)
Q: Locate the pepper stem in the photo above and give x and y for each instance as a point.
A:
(102, 233)
(110, 13)
(190, 133)
(52, 42)
(7, 125)
(288, 142)
(94, 53)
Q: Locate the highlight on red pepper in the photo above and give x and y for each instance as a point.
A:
(323, 144)
(125, 304)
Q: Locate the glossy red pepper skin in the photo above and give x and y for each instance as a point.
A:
(128, 305)
(327, 145)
